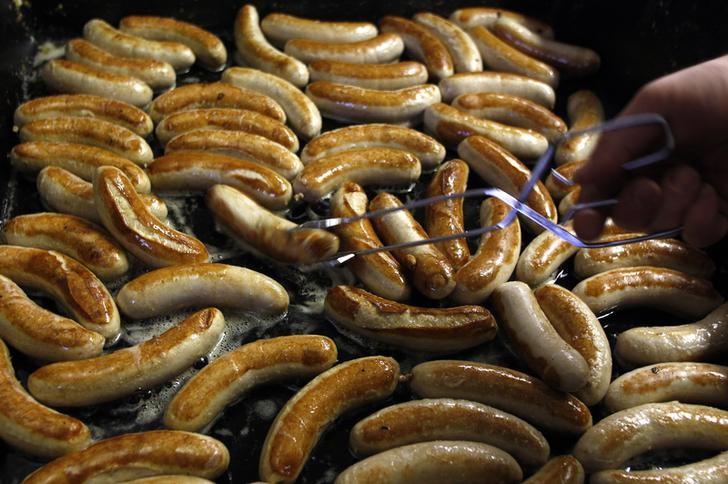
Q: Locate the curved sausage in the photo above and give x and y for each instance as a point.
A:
(208, 48)
(301, 112)
(130, 456)
(366, 166)
(225, 380)
(255, 50)
(226, 119)
(459, 44)
(383, 48)
(30, 426)
(125, 371)
(67, 281)
(263, 232)
(199, 170)
(72, 236)
(299, 424)
(448, 419)
(421, 44)
(451, 126)
(67, 77)
(422, 329)
(358, 105)
(93, 132)
(385, 77)
(495, 260)
(280, 28)
(42, 334)
(169, 289)
(84, 105)
(498, 82)
(427, 149)
(612, 441)
(510, 390)
(125, 216)
(585, 110)
(656, 287)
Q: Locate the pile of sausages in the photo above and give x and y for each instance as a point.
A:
(252, 144)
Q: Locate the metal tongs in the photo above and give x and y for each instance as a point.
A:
(517, 204)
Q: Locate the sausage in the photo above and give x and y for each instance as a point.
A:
(497, 82)
(446, 218)
(455, 462)
(170, 289)
(499, 55)
(569, 59)
(459, 44)
(366, 166)
(123, 44)
(381, 49)
(421, 44)
(199, 402)
(42, 334)
(670, 253)
(576, 324)
(130, 456)
(543, 256)
(62, 191)
(379, 272)
(534, 338)
(585, 110)
(155, 73)
(125, 371)
(84, 105)
(385, 77)
(703, 340)
(66, 77)
(207, 47)
(357, 105)
(448, 419)
(612, 441)
(564, 469)
(70, 235)
(431, 272)
(93, 132)
(280, 28)
(199, 170)
(451, 127)
(501, 169)
(427, 149)
(72, 285)
(486, 16)
(299, 424)
(132, 224)
(510, 390)
(495, 260)
(657, 287)
(301, 112)
(81, 160)
(556, 188)
(414, 328)
(226, 119)
(214, 95)
(255, 50)
(512, 110)
(30, 426)
(707, 471)
(239, 144)
(258, 230)
(170, 479)
(687, 382)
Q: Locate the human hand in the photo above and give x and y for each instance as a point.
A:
(692, 189)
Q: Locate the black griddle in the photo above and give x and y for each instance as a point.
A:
(638, 41)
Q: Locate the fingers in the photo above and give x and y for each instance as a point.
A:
(639, 203)
(680, 189)
(704, 224)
